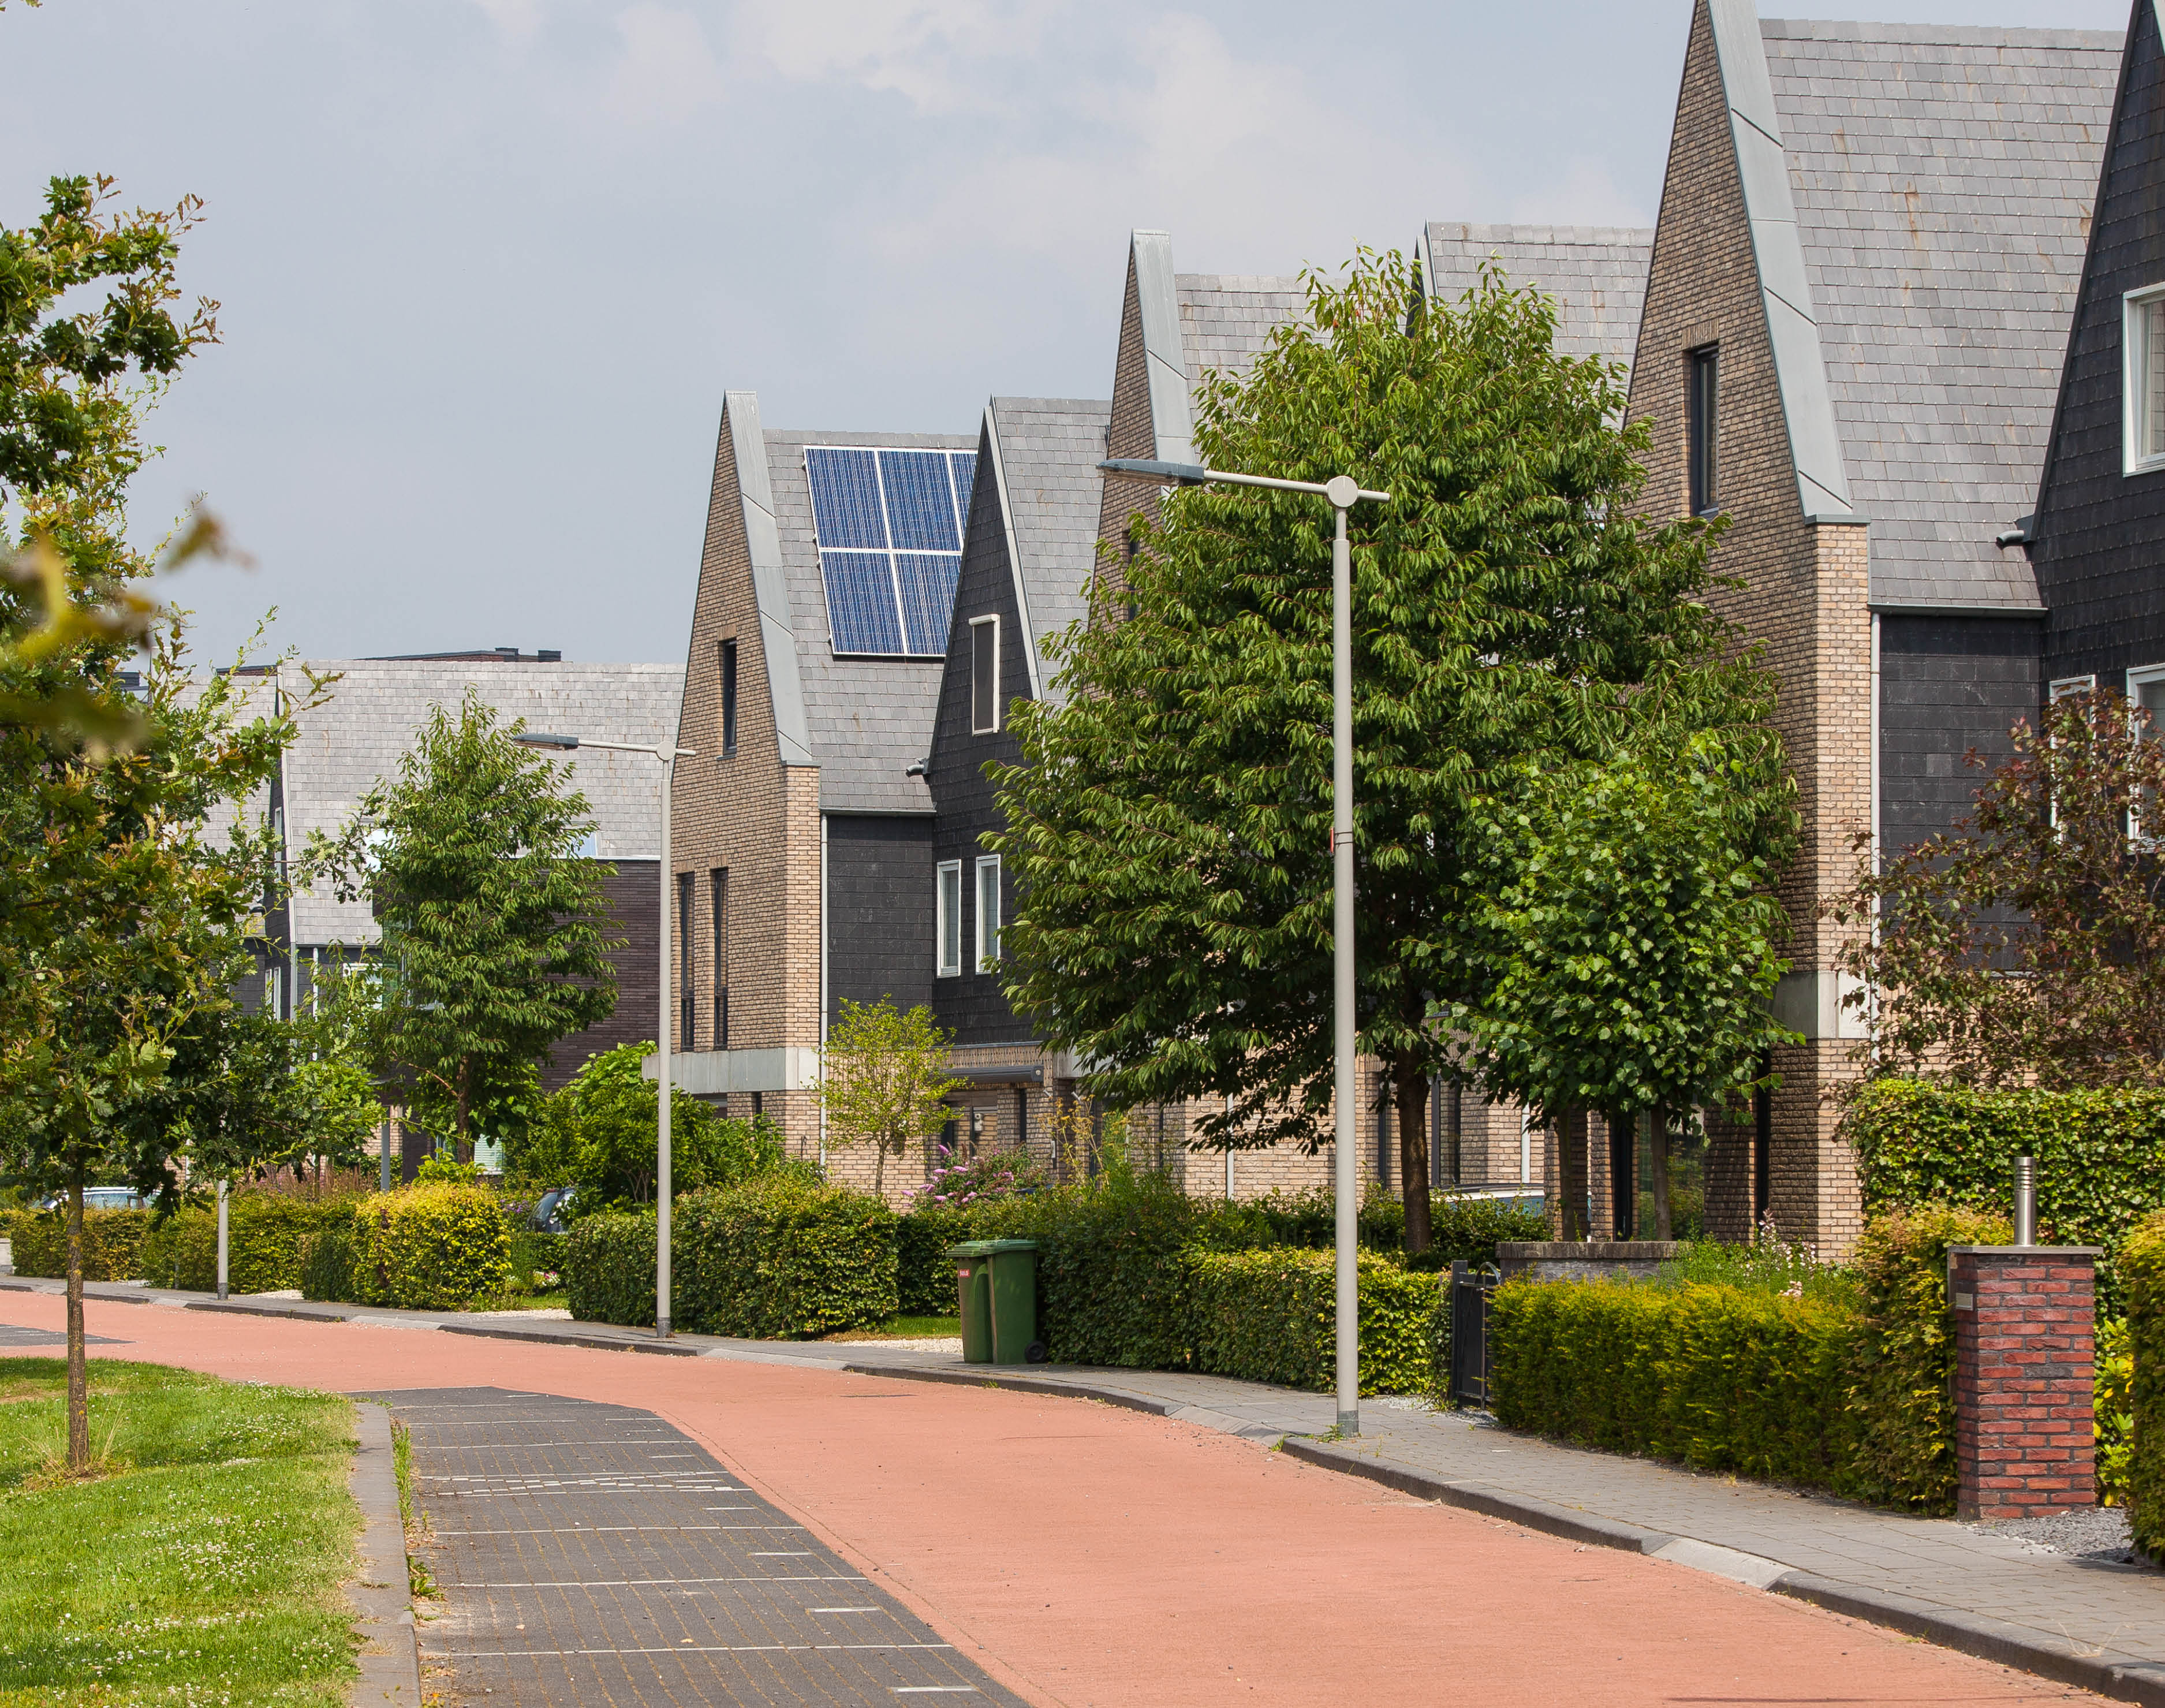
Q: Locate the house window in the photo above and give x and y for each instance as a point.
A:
(2072, 685)
(1699, 418)
(2142, 379)
(948, 924)
(684, 996)
(988, 912)
(718, 882)
(984, 675)
(2146, 688)
(728, 665)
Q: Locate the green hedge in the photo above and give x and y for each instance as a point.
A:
(779, 1258)
(328, 1270)
(430, 1247)
(1855, 1395)
(112, 1243)
(263, 1232)
(1271, 1315)
(2142, 1269)
(924, 1275)
(2100, 1157)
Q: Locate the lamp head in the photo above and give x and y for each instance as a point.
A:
(536, 738)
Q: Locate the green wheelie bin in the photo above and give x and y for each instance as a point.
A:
(996, 1294)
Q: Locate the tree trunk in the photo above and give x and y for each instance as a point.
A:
(78, 1371)
(1413, 1150)
(879, 1169)
(1658, 1159)
(1571, 1139)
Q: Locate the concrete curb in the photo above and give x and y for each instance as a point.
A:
(980, 1375)
(604, 1343)
(389, 1660)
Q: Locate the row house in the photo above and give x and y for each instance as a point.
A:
(1857, 316)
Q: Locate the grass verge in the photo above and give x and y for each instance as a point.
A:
(905, 1328)
(205, 1566)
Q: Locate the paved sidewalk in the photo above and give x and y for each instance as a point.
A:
(2098, 1624)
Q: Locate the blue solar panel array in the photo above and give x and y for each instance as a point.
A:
(889, 525)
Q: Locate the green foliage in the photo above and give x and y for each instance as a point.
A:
(1169, 822)
(112, 1242)
(2143, 1270)
(492, 945)
(2113, 1406)
(2100, 1161)
(438, 1170)
(537, 1260)
(977, 1179)
(430, 1247)
(264, 1235)
(884, 1082)
(1767, 1264)
(609, 1269)
(327, 1265)
(1272, 1316)
(925, 1274)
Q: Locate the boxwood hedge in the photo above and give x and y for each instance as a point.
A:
(264, 1235)
(112, 1243)
(1271, 1315)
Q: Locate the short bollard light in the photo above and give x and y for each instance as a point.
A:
(2025, 1200)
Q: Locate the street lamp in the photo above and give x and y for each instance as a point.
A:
(668, 756)
(1343, 492)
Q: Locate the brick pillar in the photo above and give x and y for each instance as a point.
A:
(2024, 1351)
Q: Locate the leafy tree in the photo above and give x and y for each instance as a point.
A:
(1628, 938)
(884, 1082)
(492, 942)
(2027, 946)
(1170, 825)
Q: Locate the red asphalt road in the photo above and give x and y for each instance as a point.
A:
(1089, 1555)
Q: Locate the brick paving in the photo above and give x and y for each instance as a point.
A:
(590, 1553)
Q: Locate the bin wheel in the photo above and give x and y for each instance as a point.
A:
(1034, 1353)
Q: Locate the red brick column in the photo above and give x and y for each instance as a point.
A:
(2024, 1326)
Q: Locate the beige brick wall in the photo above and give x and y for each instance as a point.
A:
(1804, 598)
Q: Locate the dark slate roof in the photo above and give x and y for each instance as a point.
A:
(1943, 179)
(1224, 318)
(1046, 451)
(1597, 274)
(868, 720)
(377, 707)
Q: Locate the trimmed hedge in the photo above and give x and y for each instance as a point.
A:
(609, 1269)
(264, 1233)
(1273, 1316)
(430, 1247)
(2142, 1269)
(112, 1243)
(327, 1271)
(2100, 1157)
(924, 1275)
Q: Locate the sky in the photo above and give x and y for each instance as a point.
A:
(485, 267)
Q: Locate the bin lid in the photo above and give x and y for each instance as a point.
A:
(989, 1249)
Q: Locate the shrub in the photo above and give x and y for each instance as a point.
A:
(430, 1246)
(989, 1174)
(328, 1270)
(1271, 1315)
(1900, 1384)
(263, 1232)
(2142, 1267)
(535, 1256)
(1721, 1378)
(924, 1275)
(112, 1243)
(782, 1259)
(609, 1269)
(2112, 1406)
(2100, 1161)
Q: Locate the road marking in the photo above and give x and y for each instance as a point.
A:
(781, 1553)
(934, 1689)
(841, 1609)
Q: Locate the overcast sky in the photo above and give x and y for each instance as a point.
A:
(487, 265)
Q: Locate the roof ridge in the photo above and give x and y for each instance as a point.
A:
(1605, 236)
(1939, 34)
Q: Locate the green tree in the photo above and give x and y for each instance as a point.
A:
(493, 945)
(2027, 946)
(884, 1081)
(1627, 938)
(1169, 827)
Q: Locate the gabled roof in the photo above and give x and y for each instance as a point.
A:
(1597, 275)
(378, 706)
(1920, 202)
(1042, 455)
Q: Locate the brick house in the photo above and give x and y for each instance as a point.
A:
(1862, 276)
(2099, 522)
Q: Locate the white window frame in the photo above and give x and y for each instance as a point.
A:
(2134, 349)
(2070, 685)
(2142, 677)
(947, 918)
(993, 727)
(989, 922)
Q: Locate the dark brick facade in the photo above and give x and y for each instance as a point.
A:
(633, 899)
(2099, 534)
(2024, 1366)
(879, 910)
(1947, 685)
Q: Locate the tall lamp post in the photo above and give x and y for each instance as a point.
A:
(1343, 492)
(668, 756)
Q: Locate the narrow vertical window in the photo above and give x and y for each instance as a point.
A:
(728, 667)
(1700, 419)
(718, 882)
(947, 925)
(2142, 379)
(988, 913)
(684, 960)
(984, 675)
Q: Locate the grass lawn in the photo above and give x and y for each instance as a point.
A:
(905, 1328)
(207, 1571)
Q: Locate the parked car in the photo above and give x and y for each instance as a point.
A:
(548, 1213)
(102, 1197)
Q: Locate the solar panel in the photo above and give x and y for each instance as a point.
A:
(889, 523)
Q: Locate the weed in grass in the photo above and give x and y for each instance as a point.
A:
(420, 1581)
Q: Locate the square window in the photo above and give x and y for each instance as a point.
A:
(988, 913)
(2142, 379)
(984, 676)
(947, 923)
